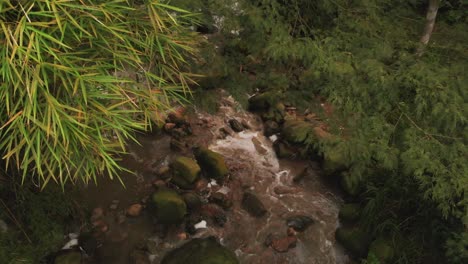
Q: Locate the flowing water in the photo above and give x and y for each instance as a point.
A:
(253, 166)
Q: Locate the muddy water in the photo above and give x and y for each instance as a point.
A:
(253, 166)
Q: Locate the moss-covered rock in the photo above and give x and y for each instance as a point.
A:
(351, 183)
(382, 249)
(354, 239)
(275, 113)
(212, 163)
(201, 251)
(334, 162)
(263, 101)
(298, 132)
(169, 206)
(68, 257)
(349, 213)
(192, 200)
(186, 172)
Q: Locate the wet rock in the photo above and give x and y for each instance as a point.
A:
(212, 163)
(284, 190)
(349, 213)
(169, 206)
(299, 222)
(258, 146)
(220, 199)
(382, 249)
(353, 239)
(283, 244)
(134, 210)
(68, 257)
(283, 150)
(253, 205)
(177, 145)
(88, 243)
(225, 131)
(270, 128)
(236, 125)
(192, 200)
(300, 175)
(215, 212)
(186, 171)
(201, 251)
(139, 257)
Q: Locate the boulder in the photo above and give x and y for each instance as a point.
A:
(200, 251)
(169, 206)
(382, 249)
(236, 125)
(186, 172)
(212, 163)
(275, 113)
(299, 222)
(354, 239)
(68, 257)
(253, 205)
(349, 213)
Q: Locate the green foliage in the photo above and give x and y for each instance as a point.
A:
(78, 77)
(38, 221)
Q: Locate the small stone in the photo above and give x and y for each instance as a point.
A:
(236, 125)
(100, 226)
(291, 231)
(201, 185)
(162, 171)
(169, 126)
(284, 244)
(113, 206)
(182, 236)
(134, 210)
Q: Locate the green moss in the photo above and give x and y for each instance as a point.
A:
(275, 113)
(264, 101)
(351, 183)
(169, 206)
(71, 257)
(201, 251)
(334, 162)
(212, 163)
(349, 213)
(298, 132)
(353, 239)
(382, 250)
(186, 172)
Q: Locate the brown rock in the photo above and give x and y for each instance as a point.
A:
(159, 184)
(169, 126)
(100, 226)
(182, 236)
(284, 190)
(284, 244)
(291, 231)
(201, 185)
(134, 210)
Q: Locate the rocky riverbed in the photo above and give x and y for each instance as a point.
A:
(214, 177)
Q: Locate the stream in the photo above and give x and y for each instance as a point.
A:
(253, 167)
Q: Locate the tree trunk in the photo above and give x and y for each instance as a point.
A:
(430, 22)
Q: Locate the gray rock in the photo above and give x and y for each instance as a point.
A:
(299, 222)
